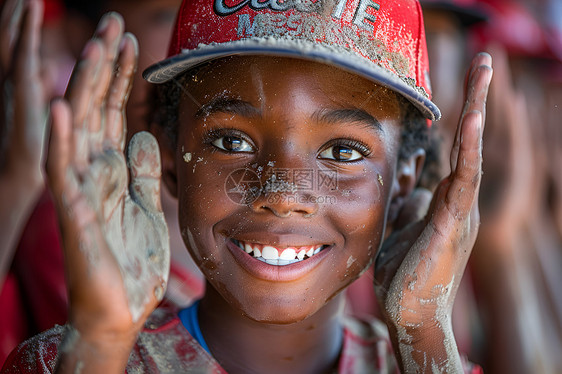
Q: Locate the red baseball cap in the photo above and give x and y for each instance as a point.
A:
(381, 40)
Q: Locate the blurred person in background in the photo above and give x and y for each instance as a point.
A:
(507, 311)
(448, 24)
(28, 74)
(515, 266)
(37, 57)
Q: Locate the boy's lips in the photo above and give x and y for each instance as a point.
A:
(279, 256)
(279, 269)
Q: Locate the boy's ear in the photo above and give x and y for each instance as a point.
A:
(168, 159)
(408, 172)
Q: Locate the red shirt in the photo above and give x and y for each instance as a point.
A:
(165, 346)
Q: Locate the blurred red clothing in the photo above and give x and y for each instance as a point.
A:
(33, 296)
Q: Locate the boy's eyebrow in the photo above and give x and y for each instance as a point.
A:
(228, 105)
(351, 115)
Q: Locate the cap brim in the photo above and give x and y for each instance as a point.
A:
(165, 70)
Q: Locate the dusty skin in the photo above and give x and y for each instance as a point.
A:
(97, 206)
(114, 233)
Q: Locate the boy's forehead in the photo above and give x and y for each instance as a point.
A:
(248, 71)
(259, 87)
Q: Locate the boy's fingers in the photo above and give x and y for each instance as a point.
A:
(477, 89)
(9, 30)
(476, 92)
(79, 95)
(118, 95)
(109, 33)
(60, 145)
(465, 181)
(143, 158)
(482, 58)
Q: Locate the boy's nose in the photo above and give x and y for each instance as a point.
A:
(286, 204)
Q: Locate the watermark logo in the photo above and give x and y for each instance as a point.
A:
(243, 186)
(293, 186)
(281, 198)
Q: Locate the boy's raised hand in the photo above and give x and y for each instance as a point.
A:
(419, 268)
(115, 237)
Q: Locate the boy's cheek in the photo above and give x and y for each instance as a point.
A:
(202, 202)
(361, 216)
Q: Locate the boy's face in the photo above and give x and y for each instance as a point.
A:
(322, 144)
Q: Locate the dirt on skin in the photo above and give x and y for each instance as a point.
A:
(142, 246)
(395, 309)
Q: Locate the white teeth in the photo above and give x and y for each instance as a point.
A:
(270, 253)
(288, 254)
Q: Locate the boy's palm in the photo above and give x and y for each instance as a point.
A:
(419, 267)
(114, 233)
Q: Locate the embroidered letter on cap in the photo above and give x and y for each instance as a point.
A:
(245, 25)
(364, 19)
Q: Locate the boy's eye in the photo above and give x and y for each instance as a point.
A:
(340, 153)
(232, 144)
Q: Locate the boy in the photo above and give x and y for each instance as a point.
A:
(268, 91)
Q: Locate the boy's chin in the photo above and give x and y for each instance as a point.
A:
(278, 316)
(284, 312)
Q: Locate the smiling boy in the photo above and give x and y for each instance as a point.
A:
(275, 90)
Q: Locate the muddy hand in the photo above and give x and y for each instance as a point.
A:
(418, 269)
(114, 233)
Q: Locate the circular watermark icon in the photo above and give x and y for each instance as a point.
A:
(243, 186)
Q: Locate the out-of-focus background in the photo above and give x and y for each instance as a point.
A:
(508, 314)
